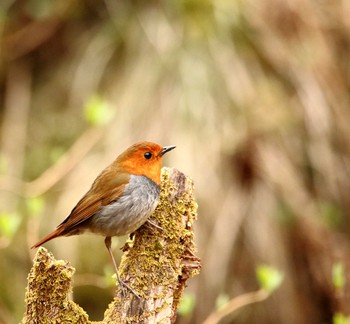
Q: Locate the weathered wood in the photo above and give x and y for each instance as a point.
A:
(157, 264)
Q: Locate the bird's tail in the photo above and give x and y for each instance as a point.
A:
(58, 232)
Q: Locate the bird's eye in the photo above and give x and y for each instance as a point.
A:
(147, 155)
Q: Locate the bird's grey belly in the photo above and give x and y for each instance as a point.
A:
(130, 211)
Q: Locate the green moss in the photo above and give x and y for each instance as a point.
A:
(49, 283)
(157, 253)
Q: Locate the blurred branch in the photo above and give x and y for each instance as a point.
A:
(236, 303)
(14, 126)
(66, 163)
(30, 37)
(157, 265)
(34, 33)
(57, 171)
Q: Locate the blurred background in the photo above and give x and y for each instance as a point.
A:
(256, 96)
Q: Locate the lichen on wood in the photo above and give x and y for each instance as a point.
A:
(49, 283)
(156, 263)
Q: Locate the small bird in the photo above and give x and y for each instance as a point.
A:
(120, 200)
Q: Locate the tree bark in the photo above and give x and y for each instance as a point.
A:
(157, 264)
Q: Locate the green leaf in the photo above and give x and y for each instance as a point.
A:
(339, 318)
(97, 111)
(269, 278)
(35, 205)
(338, 275)
(9, 224)
(187, 304)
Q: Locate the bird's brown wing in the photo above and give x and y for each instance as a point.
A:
(101, 194)
(108, 187)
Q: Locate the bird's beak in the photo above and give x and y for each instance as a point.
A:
(166, 149)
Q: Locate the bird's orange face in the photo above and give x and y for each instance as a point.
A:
(144, 159)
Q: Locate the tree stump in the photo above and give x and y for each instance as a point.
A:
(157, 264)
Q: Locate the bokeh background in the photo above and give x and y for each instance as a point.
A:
(256, 96)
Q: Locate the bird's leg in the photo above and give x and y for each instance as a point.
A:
(154, 224)
(108, 243)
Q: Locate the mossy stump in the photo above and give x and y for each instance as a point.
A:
(157, 264)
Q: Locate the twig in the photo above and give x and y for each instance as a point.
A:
(236, 303)
(66, 163)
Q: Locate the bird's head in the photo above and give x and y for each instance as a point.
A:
(144, 158)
